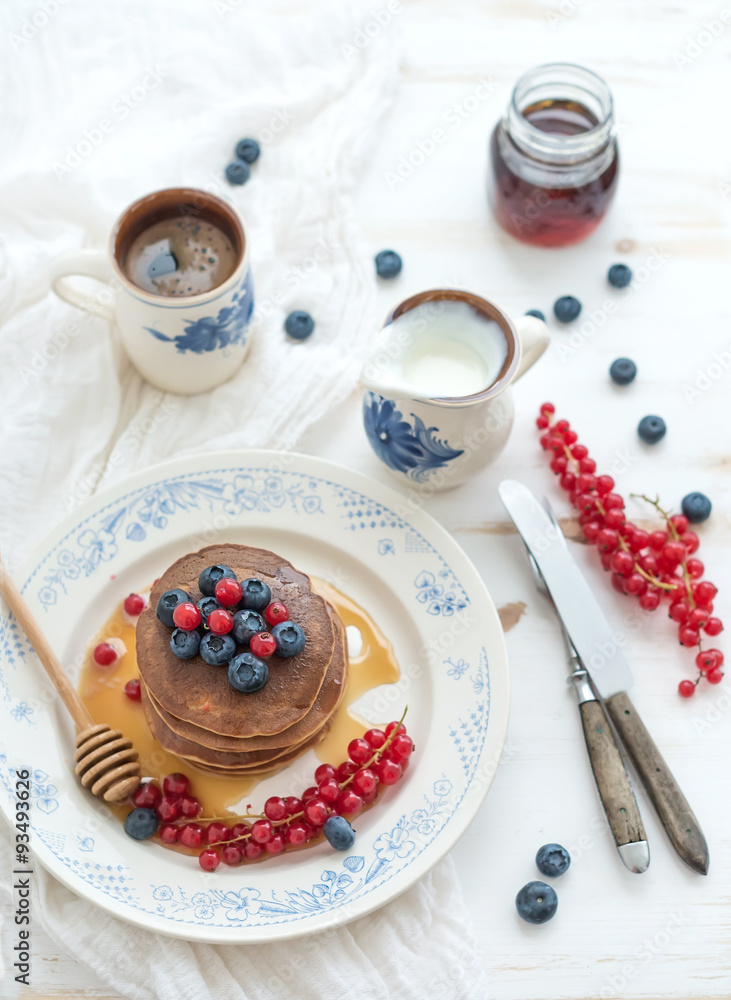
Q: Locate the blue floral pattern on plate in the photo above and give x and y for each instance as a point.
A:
(414, 450)
(211, 333)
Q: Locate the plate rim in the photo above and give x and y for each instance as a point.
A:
(472, 800)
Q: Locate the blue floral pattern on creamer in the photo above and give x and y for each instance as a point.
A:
(210, 333)
(414, 450)
(92, 547)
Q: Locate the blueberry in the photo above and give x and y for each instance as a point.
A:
(247, 150)
(206, 605)
(537, 313)
(210, 576)
(623, 371)
(696, 507)
(237, 172)
(185, 644)
(388, 264)
(167, 603)
(217, 649)
(566, 309)
(257, 594)
(290, 639)
(246, 624)
(339, 833)
(536, 902)
(141, 823)
(651, 429)
(619, 275)
(299, 324)
(553, 860)
(247, 673)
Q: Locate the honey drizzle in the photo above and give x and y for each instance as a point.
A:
(102, 691)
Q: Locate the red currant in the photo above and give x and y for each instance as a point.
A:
(209, 860)
(293, 804)
(276, 613)
(239, 830)
(714, 676)
(297, 834)
(707, 659)
(217, 832)
(650, 599)
(558, 464)
(252, 850)
(638, 539)
(190, 807)
(220, 622)
(705, 592)
(690, 541)
(658, 539)
(395, 725)
(359, 750)
(618, 582)
(544, 441)
(695, 568)
(105, 654)
(261, 831)
(604, 485)
(325, 771)
(228, 592)
(649, 564)
(232, 854)
(567, 481)
(329, 790)
(587, 465)
(579, 451)
(134, 605)
(672, 553)
(686, 689)
(168, 808)
(622, 563)
(349, 803)
(275, 845)
(541, 422)
(402, 747)
(606, 560)
(388, 771)
(168, 833)
(613, 501)
(146, 796)
(679, 611)
(585, 483)
(376, 738)
(698, 617)
(714, 626)
(175, 784)
(547, 408)
(316, 811)
(346, 769)
(635, 584)
(679, 522)
(133, 690)
(591, 529)
(688, 636)
(187, 616)
(191, 835)
(309, 793)
(607, 540)
(561, 426)
(570, 437)
(365, 781)
(263, 644)
(614, 518)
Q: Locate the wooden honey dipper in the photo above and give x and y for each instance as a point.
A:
(106, 761)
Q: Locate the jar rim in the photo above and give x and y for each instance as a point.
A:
(573, 79)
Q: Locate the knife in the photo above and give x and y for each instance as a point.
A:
(610, 774)
(599, 649)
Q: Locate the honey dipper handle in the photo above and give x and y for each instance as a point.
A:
(43, 650)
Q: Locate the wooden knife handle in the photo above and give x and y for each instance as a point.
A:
(611, 777)
(672, 807)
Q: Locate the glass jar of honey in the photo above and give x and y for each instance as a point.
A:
(554, 161)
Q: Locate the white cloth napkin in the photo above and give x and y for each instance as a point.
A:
(180, 82)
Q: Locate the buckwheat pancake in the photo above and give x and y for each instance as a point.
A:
(325, 704)
(198, 693)
(277, 764)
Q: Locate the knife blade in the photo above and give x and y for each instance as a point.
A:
(600, 651)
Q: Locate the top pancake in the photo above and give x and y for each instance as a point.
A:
(199, 693)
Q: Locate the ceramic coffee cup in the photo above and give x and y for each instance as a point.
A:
(437, 441)
(188, 344)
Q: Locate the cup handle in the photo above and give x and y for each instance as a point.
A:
(91, 264)
(534, 339)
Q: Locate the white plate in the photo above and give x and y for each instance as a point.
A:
(376, 546)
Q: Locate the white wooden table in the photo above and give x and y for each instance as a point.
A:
(665, 933)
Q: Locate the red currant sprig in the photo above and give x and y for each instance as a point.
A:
(647, 565)
(377, 759)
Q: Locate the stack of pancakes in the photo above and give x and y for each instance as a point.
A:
(191, 708)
